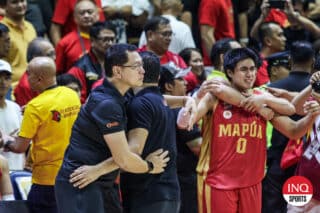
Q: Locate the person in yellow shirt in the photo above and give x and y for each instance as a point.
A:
(21, 32)
(47, 121)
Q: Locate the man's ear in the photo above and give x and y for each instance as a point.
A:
(267, 41)
(116, 72)
(229, 73)
(149, 35)
(168, 87)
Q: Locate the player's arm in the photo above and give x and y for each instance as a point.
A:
(55, 33)
(265, 8)
(122, 153)
(300, 99)
(282, 93)
(14, 144)
(296, 129)
(280, 105)
(127, 160)
(205, 105)
(207, 37)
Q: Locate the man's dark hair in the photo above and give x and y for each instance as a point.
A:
(165, 78)
(66, 79)
(153, 23)
(3, 3)
(220, 47)
(97, 27)
(34, 48)
(301, 52)
(117, 54)
(234, 56)
(265, 30)
(3, 29)
(151, 66)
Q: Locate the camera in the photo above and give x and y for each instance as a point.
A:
(316, 86)
(280, 4)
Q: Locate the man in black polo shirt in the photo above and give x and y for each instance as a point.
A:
(153, 125)
(99, 133)
(171, 82)
(302, 59)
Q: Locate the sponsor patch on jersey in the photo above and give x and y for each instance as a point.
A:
(112, 124)
(227, 114)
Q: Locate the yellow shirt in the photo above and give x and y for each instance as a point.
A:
(48, 120)
(20, 37)
(216, 73)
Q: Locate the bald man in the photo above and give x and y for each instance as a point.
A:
(47, 121)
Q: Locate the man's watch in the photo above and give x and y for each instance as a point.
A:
(150, 166)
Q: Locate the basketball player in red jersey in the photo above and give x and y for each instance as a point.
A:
(233, 153)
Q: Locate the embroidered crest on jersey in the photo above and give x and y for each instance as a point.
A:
(56, 116)
(112, 124)
(227, 114)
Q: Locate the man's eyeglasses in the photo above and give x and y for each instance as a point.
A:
(166, 33)
(135, 67)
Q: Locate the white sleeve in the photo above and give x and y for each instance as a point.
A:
(142, 40)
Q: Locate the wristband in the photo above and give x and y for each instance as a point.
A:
(150, 166)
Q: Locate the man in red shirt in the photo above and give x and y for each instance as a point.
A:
(90, 67)
(233, 153)
(75, 44)
(63, 21)
(273, 41)
(159, 33)
(216, 22)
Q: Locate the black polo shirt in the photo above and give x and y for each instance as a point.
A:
(103, 113)
(148, 111)
(187, 160)
(295, 82)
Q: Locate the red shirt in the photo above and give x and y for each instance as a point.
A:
(237, 148)
(219, 15)
(63, 15)
(97, 83)
(23, 92)
(87, 70)
(167, 57)
(262, 74)
(69, 49)
(192, 81)
(278, 16)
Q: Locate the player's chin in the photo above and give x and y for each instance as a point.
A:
(138, 83)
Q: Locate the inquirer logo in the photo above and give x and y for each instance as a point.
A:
(297, 191)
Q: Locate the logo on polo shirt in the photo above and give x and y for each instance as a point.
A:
(56, 116)
(112, 124)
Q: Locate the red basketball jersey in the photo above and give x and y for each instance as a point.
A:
(237, 148)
